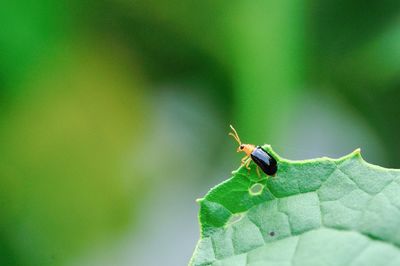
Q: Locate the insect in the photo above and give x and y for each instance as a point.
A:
(260, 157)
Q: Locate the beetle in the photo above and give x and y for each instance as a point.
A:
(257, 154)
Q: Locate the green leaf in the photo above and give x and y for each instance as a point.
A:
(314, 212)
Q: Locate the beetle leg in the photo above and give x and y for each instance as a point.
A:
(258, 172)
(247, 164)
(244, 159)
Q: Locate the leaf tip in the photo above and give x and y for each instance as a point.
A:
(199, 200)
(357, 152)
(234, 172)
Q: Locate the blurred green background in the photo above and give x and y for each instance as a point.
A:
(114, 114)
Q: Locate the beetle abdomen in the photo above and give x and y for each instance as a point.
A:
(264, 160)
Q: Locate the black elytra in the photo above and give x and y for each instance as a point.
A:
(264, 160)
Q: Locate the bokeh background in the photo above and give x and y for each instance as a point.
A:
(114, 114)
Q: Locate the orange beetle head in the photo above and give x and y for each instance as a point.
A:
(246, 148)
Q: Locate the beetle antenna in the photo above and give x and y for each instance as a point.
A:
(235, 135)
(231, 134)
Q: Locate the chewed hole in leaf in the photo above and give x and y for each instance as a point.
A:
(235, 218)
(256, 189)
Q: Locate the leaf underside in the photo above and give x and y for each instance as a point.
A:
(315, 212)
